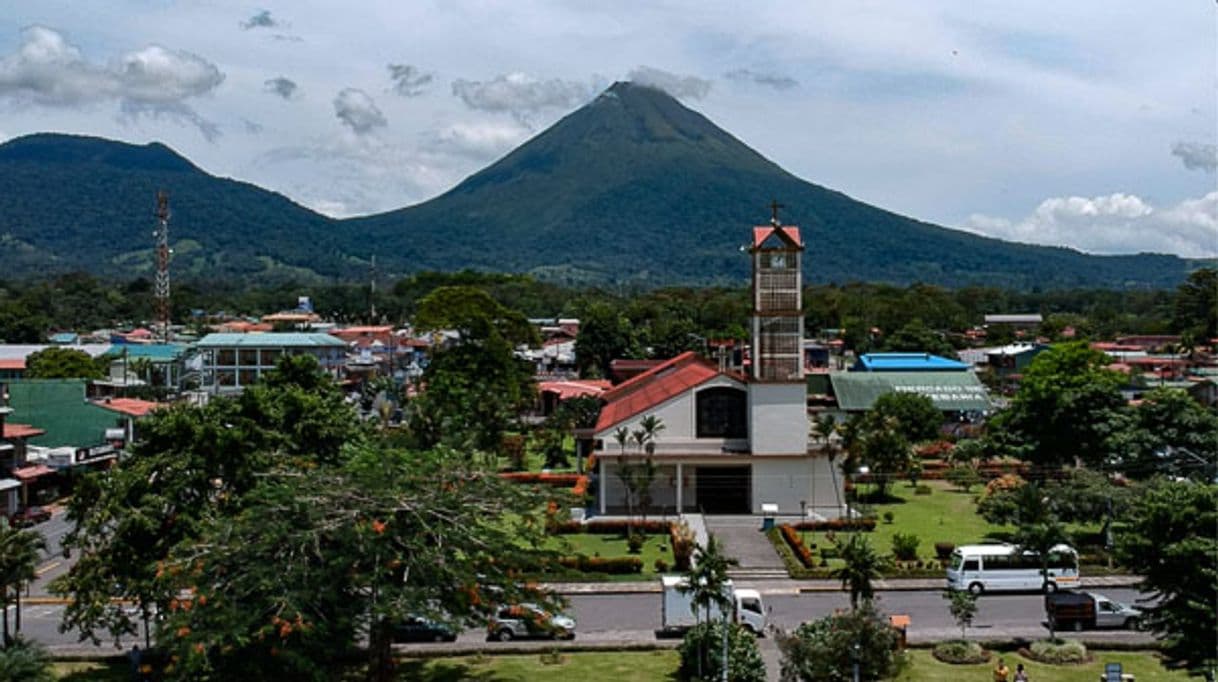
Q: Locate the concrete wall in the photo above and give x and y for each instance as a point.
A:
(778, 419)
(663, 490)
(786, 481)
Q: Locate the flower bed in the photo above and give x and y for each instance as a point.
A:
(612, 527)
(959, 652)
(797, 546)
(1061, 652)
(607, 565)
(866, 525)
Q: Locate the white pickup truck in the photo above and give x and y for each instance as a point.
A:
(677, 612)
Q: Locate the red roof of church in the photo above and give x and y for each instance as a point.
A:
(657, 385)
(20, 431)
(763, 232)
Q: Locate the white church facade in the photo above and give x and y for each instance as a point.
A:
(730, 442)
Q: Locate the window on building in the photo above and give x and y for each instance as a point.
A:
(722, 413)
(226, 357)
(249, 357)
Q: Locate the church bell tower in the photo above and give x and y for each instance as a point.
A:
(778, 418)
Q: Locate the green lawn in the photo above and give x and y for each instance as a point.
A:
(946, 515)
(643, 666)
(924, 668)
(609, 545)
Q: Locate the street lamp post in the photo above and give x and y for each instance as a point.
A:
(803, 516)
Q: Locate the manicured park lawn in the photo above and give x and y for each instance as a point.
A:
(610, 545)
(649, 666)
(924, 668)
(946, 515)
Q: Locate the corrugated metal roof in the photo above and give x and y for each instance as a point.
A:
(58, 406)
(657, 385)
(270, 340)
(907, 362)
(153, 351)
(949, 391)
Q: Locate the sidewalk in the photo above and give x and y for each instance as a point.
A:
(789, 586)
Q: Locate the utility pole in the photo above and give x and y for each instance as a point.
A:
(372, 292)
(162, 265)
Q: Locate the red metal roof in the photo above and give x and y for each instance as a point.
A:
(132, 407)
(31, 472)
(658, 384)
(574, 389)
(763, 232)
(21, 431)
(12, 363)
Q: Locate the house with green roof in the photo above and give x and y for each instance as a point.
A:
(76, 432)
(952, 392)
(230, 362)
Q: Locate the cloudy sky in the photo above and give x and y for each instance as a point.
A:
(1087, 124)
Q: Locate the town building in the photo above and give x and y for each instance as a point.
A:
(230, 362)
(732, 443)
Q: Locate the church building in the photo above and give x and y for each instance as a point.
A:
(730, 442)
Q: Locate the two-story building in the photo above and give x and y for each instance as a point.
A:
(231, 362)
(731, 442)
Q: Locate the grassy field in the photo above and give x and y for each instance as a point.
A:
(596, 544)
(660, 666)
(645, 666)
(946, 515)
(924, 668)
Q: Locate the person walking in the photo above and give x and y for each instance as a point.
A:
(1020, 675)
(1001, 672)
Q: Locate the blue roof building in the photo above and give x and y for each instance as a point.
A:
(907, 362)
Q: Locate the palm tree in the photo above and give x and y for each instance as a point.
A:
(863, 566)
(19, 553)
(651, 426)
(706, 582)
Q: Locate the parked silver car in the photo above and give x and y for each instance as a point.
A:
(527, 621)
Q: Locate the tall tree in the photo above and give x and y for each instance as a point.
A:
(1172, 434)
(64, 363)
(1039, 531)
(604, 335)
(19, 552)
(1196, 306)
(706, 583)
(915, 415)
(1068, 407)
(1170, 537)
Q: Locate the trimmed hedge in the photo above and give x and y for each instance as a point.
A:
(608, 565)
(865, 525)
(612, 527)
(1057, 653)
(796, 543)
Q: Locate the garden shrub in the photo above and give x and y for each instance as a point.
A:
(943, 550)
(796, 543)
(634, 542)
(960, 652)
(683, 539)
(923, 490)
(744, 663)
(1059, 652)
(661, 566)
(609, 565)
(888, 517)
(25, 661)
(651, 527)
(824, 649)
(866, 524)
(963, 476)
(905, 546)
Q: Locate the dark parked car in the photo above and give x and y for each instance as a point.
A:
(29, 516)
(419, 629)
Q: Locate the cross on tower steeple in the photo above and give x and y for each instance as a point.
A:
(774, 206)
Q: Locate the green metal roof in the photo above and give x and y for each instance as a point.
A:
(270, 340)
(156, 352)
(58, 406)
(949, 391)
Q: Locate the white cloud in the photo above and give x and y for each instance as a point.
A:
(681, 87)
(357, 111)
(479, 141)
(281, 86)
(520, 94)
(1117, 223)
(408, 81)
(47, 70)
(1197, 156)
(773, 80)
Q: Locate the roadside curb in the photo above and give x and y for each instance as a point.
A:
(790, 585)
(525, 648)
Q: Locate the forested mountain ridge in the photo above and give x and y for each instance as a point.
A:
(633, 187)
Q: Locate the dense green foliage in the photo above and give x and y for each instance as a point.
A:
(828, 648)
(64, 363)
(861, 568)
(25, 661)
(705, 640)
(633, 187)
(1171, 539)
(19, 553)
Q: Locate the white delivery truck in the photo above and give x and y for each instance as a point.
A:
(677, 612)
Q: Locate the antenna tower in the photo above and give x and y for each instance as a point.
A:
(162, 265)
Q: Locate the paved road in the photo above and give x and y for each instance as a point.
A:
(635, 617)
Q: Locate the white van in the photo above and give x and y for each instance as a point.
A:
(1002, 568)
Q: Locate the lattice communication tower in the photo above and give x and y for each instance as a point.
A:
(162, 265)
